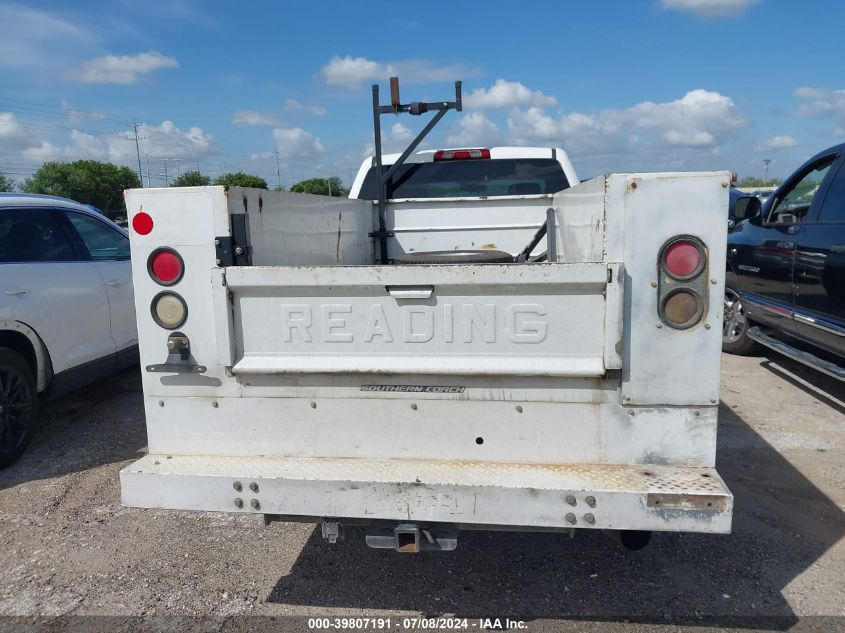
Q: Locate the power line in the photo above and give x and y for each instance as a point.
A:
(61, 112)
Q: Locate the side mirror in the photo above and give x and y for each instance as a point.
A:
(747, 208)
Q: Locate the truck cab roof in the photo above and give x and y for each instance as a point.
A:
(494, 153)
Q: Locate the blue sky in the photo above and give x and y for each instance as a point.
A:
(622, 85)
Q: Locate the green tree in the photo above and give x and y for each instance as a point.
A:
(86, 181)
(191, 179)
(6, 183)
(322, 186)
(240, 179)
(751, 181)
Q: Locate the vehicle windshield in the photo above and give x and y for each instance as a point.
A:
(470, 178)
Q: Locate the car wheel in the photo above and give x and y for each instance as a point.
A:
(18, 406)
(735, 326)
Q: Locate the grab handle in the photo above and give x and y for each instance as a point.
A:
(410, 292)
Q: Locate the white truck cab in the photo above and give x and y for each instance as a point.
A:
(467, 199)
(573, 383)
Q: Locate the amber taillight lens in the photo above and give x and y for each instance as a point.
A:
(169, 310)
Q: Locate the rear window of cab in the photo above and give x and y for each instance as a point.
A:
(470, 179)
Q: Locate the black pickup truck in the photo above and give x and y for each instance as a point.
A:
(785, 286)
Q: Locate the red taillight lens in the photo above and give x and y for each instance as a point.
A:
(683, 259)
(165, 266)
(461, 154)
(142, 223)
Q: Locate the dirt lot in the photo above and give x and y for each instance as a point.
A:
(68, 547)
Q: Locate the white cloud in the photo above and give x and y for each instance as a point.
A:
(474, 130)
(316, 110)
(165, 140)
(710, 8)
(396, 139)
(123, 69)
(13, 135)
(822, 103)
(507, 94)
(700, 119)
(81, 115)
(776, 142)
(251, 117)
(81, 146)
(400, 133)
(296, 143)
(33, 38)
(350, 72)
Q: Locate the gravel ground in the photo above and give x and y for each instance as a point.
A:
(67, 547)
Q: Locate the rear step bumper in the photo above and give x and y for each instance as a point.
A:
(826, 367)
(559, 496)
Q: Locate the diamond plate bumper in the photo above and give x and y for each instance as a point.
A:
(604, 496)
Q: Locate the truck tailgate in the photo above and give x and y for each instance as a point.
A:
(529, 319)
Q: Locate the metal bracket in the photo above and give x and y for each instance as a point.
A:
(396, 107)
(547, 230)
(234, 250)
(332, 531)
(178, 358)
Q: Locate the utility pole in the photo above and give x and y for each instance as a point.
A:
(138, 151)
(178, 171)
(278, 171)
(147, 160)
(329, 180)
(766, 162)
(166, 181)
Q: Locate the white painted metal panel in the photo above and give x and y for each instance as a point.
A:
(447, 224)
(363, 422)
(298, 229)
(539, 319)
(560, 496)
(664, 365)
(580, 223)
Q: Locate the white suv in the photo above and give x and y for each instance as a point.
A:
(67, 312)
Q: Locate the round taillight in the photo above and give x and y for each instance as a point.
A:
(165, 266)
(142, 223)
(683, 259)
(169, 310)
(682, 309)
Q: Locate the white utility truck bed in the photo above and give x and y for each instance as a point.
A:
(287, 374)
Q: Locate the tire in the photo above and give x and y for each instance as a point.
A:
(735, 325)
(18, 406)
(456, 257)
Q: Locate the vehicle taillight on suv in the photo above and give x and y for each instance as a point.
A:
(682, 285)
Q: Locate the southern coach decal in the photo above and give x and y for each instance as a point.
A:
(413, 388)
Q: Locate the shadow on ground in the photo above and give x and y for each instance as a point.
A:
(782, 525)
(100, 424)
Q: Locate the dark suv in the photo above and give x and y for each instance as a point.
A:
(786, 268)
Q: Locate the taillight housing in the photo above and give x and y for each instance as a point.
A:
(682, 286)
(165, 266)
(169, 310)
(461, 154)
